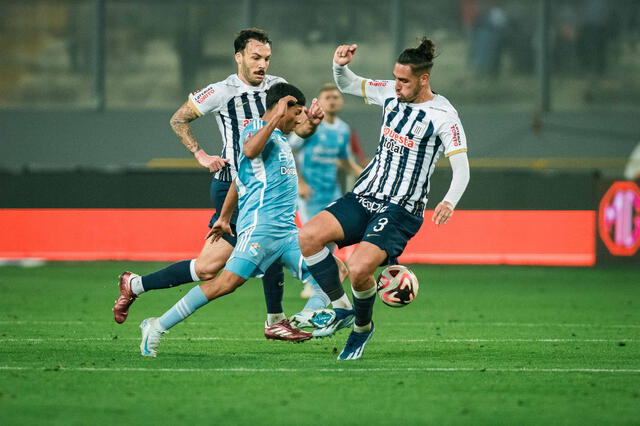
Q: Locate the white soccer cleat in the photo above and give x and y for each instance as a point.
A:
(151, 334)
(313, 319)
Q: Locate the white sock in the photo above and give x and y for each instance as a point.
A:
(275, 318)
(136, 285)
(342, 303)
(362, 329)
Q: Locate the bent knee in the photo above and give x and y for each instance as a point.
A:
(310, 243)
(207, 270)
(360, 276)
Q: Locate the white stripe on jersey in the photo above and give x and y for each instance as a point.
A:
(401, 169)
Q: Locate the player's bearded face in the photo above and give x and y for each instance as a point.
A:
(408, 86)
(253, 62)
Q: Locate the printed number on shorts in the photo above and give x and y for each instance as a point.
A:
(381, 224)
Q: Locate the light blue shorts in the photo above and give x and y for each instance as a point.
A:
(259, 248)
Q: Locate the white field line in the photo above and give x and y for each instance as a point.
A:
(250, 339)
(401, 324)
(323, 370)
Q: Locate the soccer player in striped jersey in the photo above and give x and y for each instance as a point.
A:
(235, 101)
(266, 192)
(386, 207)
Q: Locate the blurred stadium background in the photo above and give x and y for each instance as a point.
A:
(548, 92)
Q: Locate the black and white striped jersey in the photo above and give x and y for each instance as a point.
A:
(412, 138)
(234, 104)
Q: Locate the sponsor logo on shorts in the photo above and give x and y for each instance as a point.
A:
(372, 206)
(253, 249)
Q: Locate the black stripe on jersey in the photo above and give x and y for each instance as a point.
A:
(259, 104)
(419, 207)
(224, 174)
(387, 123)
(235, 129)
(417, 171)
(403, 162)
(245, 106)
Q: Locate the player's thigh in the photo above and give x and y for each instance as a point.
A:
(363, 263)
(318, 232)
(212, 258)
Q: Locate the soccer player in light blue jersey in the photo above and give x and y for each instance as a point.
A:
(322, 154)
(266, 193)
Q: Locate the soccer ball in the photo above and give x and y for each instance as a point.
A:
(397, 286)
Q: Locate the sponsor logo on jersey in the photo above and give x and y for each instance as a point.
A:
(455, 133)
(288, 170)
(201, 95)
(402, 140)
(418, 129)
(393, 147)
(245, 122)
(376, 83)
(373, 206)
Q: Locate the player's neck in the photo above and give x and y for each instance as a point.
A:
(330, 118)
(244, 80)
(425, 96)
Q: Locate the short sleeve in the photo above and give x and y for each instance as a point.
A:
(377, 91)
(209, 99)
(453, 138)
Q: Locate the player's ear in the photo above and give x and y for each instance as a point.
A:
(238, 57)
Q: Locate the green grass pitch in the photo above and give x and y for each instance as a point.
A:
(480, 345)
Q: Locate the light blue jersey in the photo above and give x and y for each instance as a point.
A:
(267, 192)
(317, 157)
(267, 184)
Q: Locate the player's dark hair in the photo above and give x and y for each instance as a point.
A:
(244, 36)
(280, 90)
(327, 87)
(420, 58)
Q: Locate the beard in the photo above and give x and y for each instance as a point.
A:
(250, 76)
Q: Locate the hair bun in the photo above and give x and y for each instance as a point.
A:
(427, 48)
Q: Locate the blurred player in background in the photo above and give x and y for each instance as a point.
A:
(319, 157)
(266, 192)
(387, 204)
(234, 101)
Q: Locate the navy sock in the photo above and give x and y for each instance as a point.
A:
(273, 285)
(324, 269)
(173, 275)
(363, 305)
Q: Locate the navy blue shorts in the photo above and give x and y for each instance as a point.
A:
(218, 192)
(384, 224)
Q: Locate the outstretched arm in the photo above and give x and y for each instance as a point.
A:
(346, 80)
(460, 167)
(180, 124)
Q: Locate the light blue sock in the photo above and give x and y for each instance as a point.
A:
(185, 307)
(319, 299)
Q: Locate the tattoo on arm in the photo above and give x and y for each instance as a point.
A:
(180, 125)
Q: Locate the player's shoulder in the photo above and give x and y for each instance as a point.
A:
(253, 125)
(270, 80)
(341, 124)
(441, 107)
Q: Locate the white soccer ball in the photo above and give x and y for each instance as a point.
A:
(397, 286)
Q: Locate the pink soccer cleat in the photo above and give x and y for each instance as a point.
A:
(283, 330)
(126, 298)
